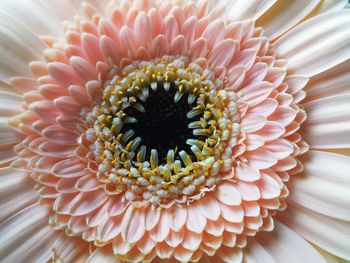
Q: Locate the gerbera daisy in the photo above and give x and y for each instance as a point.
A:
(190, 131)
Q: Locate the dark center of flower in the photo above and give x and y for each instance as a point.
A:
(163, 125)
(163, 130)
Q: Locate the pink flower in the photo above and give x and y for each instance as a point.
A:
(152, 130)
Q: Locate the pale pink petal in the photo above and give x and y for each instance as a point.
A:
(195, 220)
(227, 194)
(233, 214)
(85, 203)
(321, 191)
(162, 229)
(308, 56)
(133, 224)
(283, 15)
(222, 53)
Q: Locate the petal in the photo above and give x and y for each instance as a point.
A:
(261, 159)
(83, 69)
(228, 194)
(8, 135)
(209, 207)
(85, 203)
(19, 47)
(305, 51)
(284, 245)
(324, 185)
(251, 123)
(248, 191)
(214, 33)
(255, 93)
(41, 17)
(29, 225)
(16, 192)
(328, 233)
(69, 168)
(71, 249)
(283, 15)
(242, 10)
(329, 83)
(162, 229)
(222, 53)
(133, 225)
(256, 253)
(233, 214)
(195, 220)
(328, 121)
(102, 255)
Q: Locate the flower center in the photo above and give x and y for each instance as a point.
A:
(163, 124)
(164, 131)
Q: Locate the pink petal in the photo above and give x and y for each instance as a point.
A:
(179, 216)
(191, 240)
(271, 131)
(222, 53)
(255, 93)
(261, 159)
(268, 187)
(195, 220)
(198, 49)
(265, 108)
(152, 217)
(248, 191)
(69, 168)
(159, 46)
(170, 28)
(209, 207)
(63, 74)
(91, 47)
(143, 29)
(162, 229)
(85, 203)
(84, 70)
(252, 123)
(232, 214)
(133, 224)
(189, 29)
(214, 33)
(246, 173)
(87, 183)
(228, 194)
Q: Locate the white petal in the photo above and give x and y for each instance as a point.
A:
(43, 17)
(284, 245)
(242, 10)
(285, 14)
(18, 47)
(317, 44)
(328, 233)
(256, 253)
(102, 255)
(8, 135)
(71, 249)
(26, 237)
(329, 6)
(16, 192)
(324, 185)
(10, 104)
(334, 81)
(328, 122)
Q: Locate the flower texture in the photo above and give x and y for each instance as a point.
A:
(153, 130)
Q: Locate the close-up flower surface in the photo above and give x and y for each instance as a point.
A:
(174, 131)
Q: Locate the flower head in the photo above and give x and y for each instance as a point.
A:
(170, 129)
